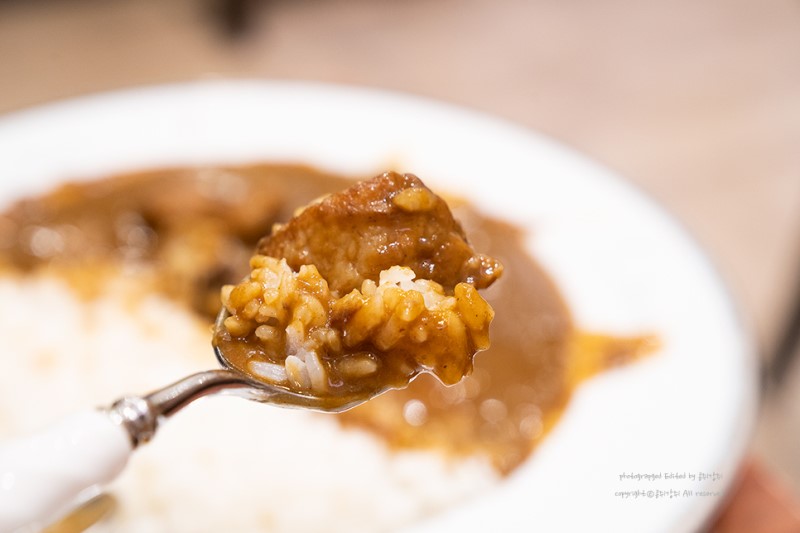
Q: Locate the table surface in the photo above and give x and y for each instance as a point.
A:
(696, 102)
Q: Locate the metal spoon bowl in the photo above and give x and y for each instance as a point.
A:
(141, 415)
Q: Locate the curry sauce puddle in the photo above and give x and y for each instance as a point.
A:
(173, 231)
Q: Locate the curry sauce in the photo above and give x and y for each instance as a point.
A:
(359, 292)
(187, 232)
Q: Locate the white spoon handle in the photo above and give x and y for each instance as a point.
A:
(42, 474)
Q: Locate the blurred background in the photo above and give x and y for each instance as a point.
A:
(698, 103)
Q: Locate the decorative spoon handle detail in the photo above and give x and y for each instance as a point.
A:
(43, 475)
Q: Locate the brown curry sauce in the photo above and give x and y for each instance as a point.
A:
(186, 232)
(359, 292)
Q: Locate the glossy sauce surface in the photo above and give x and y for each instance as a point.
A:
(358, 293)
(186, 232)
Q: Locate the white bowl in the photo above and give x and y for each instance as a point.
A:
(622, 263)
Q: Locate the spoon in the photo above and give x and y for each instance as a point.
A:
(43, 475)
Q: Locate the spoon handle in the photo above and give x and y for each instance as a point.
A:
(41, 475)
(142, 415)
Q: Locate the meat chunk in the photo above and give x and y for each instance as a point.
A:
(360, 292)
(390, 220)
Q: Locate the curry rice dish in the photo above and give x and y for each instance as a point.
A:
(130, 270)
(332, 307)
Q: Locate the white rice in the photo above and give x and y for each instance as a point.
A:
(223, 464)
